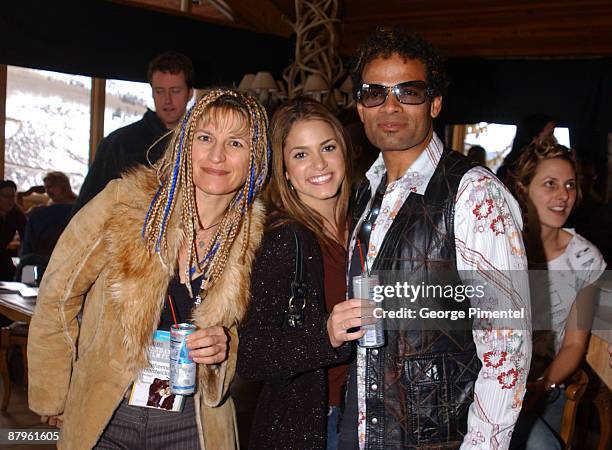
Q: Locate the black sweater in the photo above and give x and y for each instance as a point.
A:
(121, 150)
(292, 407)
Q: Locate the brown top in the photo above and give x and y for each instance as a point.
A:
(334, 276)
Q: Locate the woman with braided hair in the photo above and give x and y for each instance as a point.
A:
(161, 245)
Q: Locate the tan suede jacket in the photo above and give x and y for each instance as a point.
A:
(100, 266)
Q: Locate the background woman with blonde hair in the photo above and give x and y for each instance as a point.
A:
(46, 224)
(159, 246)
(545, 183)
(57, 187)
(297, 347)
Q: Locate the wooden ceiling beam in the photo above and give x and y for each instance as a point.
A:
(204, 12)
(521, 28)
(471, 28)
(262, 15)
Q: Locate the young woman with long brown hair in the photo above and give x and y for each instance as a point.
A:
(299, 353)
(545, 183)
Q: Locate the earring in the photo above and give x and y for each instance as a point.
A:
(290, 186)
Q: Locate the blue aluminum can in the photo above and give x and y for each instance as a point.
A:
(182, 368)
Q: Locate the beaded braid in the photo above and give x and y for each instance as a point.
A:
(176, 181)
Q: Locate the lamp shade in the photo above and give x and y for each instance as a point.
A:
(315, 83)
(245, 83)
(264, 81)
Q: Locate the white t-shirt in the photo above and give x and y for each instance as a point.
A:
(580, 265)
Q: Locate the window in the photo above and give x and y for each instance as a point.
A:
(47, 126)
(126, 102)
(497, 139)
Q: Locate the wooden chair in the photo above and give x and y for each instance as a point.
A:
(603, 403)
(35, 196)
(573, 392)
(16, 334)
(27, 200)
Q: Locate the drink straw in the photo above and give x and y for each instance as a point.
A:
(172, 309)
(360, 254)
(363, 263)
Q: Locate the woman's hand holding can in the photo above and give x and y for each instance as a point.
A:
(208, 345)
(349, 315)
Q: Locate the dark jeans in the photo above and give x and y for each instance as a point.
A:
(539, 429)
(332, 428)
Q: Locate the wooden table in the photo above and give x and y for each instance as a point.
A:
(598, 358)
(16, 308)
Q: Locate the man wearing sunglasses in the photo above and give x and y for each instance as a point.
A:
(435, 215)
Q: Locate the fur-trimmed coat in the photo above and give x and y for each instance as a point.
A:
(101, 266)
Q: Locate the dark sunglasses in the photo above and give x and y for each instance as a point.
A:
(408, 93)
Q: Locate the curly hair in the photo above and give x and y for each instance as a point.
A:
(524, 170)
(384, 42)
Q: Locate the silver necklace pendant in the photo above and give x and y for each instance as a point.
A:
(197, 300)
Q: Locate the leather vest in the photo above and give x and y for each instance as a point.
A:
(419, 386)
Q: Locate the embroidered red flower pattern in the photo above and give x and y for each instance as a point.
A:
(508, 379)
(483, 209)
(498, 225)
(494, 359)
(486, 214)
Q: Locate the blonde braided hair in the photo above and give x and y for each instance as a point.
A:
(176, 182)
